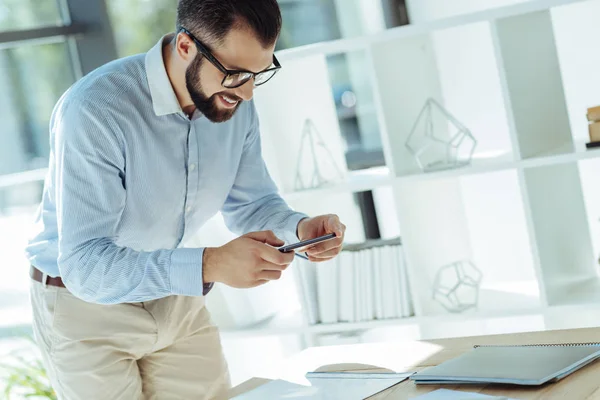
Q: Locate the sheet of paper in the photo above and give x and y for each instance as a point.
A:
(322, 388)
(280, 390)
(445, 394)
(352, 388)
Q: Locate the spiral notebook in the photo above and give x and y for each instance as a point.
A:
(518, 365)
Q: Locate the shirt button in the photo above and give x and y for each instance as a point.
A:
(192, 167)
(188, 208)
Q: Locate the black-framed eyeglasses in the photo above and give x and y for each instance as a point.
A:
(235, 78)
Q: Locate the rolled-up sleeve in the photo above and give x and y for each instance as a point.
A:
(90, 197)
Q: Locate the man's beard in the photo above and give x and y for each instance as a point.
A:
(207, 105)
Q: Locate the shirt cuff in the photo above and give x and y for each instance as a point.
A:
(186, 272)
(290, 228)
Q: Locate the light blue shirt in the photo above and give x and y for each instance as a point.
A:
(131, 178)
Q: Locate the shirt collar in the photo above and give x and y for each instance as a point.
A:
(164, 100)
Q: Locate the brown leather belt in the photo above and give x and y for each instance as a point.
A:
(38, 276)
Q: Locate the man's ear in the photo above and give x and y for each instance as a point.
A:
(185, 47)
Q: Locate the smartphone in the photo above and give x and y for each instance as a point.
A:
(305, 243)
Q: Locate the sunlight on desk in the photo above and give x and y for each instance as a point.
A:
(397, 357)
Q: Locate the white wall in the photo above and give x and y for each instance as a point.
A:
(300, 91)
(588, 170)
(387, 217)
(427, 10)
(434, 227)
(359, 17)
(497, 226)
(471, 87)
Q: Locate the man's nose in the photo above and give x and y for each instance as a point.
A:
(246, 91)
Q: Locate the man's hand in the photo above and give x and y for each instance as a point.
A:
(309, 228)
(247, 261)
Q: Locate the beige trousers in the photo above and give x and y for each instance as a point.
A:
(161, 349)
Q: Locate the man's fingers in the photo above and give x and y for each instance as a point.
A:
(267, 237)
(325, 246)
(258, 283)
(326, 254)
(276, 257)
(269, 275)
(334, 225)
(267, 266)
(317, 260)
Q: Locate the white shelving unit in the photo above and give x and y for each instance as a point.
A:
(292, 324)
(519, 210)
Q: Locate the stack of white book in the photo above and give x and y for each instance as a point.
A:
(367, 281)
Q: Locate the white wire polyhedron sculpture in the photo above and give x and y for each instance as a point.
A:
(456, 286)
(433, 152)
(316, 179)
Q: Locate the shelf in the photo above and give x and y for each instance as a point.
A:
(498, 296)
(358, 181)
(359, 326)
(362, 42)
(292, 324)
(281, 324)
(446, 317)
(20, 178)
(478, 166)
(373, 178)
(562, 155)
(583, 292)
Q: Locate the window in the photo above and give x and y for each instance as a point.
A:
(33, 78)
(138, 24)
(28, 14)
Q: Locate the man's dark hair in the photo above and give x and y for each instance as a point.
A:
(211, 20)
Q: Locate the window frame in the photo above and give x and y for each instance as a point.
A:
(86, 31)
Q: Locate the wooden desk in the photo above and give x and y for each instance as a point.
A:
(414, 356)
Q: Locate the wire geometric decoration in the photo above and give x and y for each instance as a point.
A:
(456, 286)
(316, 179)
(434, 153)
